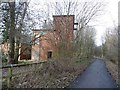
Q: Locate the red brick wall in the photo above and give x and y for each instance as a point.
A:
(64, 26)
(47, 44)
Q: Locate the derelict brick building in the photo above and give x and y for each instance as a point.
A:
(46, 42)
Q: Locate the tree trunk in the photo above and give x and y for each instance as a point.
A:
(16, 56)
(11, 33)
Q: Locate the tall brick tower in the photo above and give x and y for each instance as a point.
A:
(64, 26)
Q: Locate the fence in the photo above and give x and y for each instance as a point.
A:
(16, 69)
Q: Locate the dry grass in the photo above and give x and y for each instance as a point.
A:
(113, 69)
(53, 74)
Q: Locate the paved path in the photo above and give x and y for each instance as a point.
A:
(95, 76)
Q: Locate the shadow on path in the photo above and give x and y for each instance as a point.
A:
(95, 76)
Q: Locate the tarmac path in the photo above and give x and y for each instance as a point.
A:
(95, 76)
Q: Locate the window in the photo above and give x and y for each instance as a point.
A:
(49, 54)
(37, 40)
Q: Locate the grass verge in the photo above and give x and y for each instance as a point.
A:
(113, 69)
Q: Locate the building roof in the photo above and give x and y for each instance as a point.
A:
(42, 30)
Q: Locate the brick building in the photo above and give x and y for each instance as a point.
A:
(46, 42)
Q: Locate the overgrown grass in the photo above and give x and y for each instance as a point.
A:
(113, 69)
(53, 74)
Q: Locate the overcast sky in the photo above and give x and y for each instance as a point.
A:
(109, 19)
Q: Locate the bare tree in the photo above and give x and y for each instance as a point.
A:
(16, 16)
(111, 44)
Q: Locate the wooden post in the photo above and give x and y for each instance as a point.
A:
(9, 79)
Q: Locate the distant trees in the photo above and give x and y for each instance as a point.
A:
(110, 47)
(98, 51)
(85, 43)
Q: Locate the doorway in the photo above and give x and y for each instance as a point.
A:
(49, 55)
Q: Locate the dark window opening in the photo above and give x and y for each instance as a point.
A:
(49, 54)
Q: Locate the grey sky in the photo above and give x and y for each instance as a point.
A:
(109, 19)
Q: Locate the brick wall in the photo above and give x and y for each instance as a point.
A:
(64, 26)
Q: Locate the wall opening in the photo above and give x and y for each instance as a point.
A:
(49, 54)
